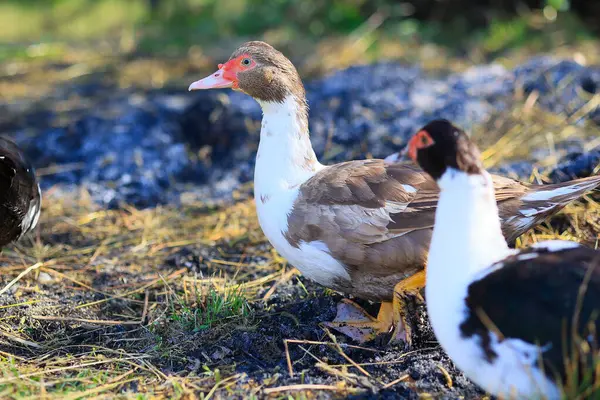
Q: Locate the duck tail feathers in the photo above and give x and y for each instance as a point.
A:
(542, 197)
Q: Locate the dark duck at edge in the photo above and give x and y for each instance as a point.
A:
(20, 194)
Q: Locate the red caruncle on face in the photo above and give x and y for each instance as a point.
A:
(421, 140)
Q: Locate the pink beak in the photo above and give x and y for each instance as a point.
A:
(214, 81)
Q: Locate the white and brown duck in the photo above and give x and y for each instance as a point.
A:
(360, 227)
(20, 195)
(523, 324)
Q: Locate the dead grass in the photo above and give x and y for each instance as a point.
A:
(96, 269)
(111, 303)
(515, 134)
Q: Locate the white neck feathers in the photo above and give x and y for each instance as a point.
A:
(467, 236)
(285, 157)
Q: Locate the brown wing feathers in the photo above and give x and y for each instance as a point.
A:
(367, 183)
(406, 197)
(376, 219)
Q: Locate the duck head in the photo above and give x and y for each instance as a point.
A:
(440, 145)
(260, 71)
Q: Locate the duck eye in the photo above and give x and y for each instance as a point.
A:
(246, 61)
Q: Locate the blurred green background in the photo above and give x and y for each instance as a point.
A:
(170, 25)
(318, 35)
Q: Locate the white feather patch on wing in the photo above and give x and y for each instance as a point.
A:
(409, 189)
(556, 245)
(392, 158)
(528, 212)
(545, 195)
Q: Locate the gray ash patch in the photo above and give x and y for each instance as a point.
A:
(576, 164)
(544, 75)
(147, 148)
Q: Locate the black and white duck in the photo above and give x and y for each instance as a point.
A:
(510, 319)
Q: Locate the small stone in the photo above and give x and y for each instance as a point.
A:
(220, 353)
(45, 278)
